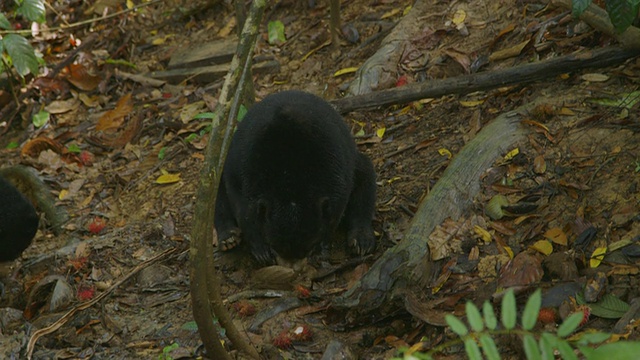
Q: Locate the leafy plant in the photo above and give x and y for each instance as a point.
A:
(167, 350)
(479, 337)
(622, 13)
(14, 48)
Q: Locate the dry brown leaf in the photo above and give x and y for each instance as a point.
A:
(80, 77)
(539, 165)
(112, 119)
(122, 138)
(557, 236)
(34, 147)
(525, 269)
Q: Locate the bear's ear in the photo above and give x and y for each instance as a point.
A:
(262, 209)
(325, 207)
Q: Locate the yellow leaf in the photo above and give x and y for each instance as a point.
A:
(472, 103)
(389, 14)
(445, 152)
(543, 246)
(509, 251)
(595, 77)
(63, 194)
(557, 236)
(459, 16)
(130, 4)
(380, 132)
(405, 110)
(406, 10)
(348, 70)
(393, 179)
(482, 234)
(535, 123)
(566, 111)
(168, 179)
(158, 41)
(512, 153)
(597, 256)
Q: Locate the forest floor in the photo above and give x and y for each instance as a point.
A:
(127, 153)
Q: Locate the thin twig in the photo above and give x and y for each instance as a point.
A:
(66, 317)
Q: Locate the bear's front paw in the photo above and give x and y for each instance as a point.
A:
(362, 241)
(229, 239)
(263, 253)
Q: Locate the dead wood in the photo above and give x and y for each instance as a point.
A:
(382, 290)
(379, 71)
(488, 80)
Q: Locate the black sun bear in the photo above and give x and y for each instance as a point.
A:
(292, 176)
(18, 221)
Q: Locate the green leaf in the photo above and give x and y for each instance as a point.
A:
(547, 343)
(162, 153)
(566, 351)
(531, 310)
(609, 307)
(276, 32)
(531, 348)
(33, 10)
(242, 111)
(474, 317)
(21, 53)
(593, 338)
(191, 137)
(12, 145)
(489, 347)
(456, 325)
(489, 316)
(622, 13)
(570, 324)
(4, 23)
(472, 349)
(578, 7)
(509, 310)
(622, 350)
(625, 100)
(40, 119)
(74, 148)
(190, 325)
(205, 115)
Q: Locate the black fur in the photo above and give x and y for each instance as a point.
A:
(18, 221)
(291, 177)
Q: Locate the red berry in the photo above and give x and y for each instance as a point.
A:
(282, 341)
(547, 316)
(96, 226)
(244, 308)
(302, 333)
(303, 292)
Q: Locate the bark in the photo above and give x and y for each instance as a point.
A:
(205, 287)
(380, 70)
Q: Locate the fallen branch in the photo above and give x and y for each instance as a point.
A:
(488, 80)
